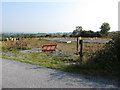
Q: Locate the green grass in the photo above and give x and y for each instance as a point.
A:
(37, 59)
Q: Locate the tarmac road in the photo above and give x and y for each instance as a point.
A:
(86, 41)
(22, 75)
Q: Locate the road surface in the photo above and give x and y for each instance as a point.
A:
(22, 75)
(72, 40)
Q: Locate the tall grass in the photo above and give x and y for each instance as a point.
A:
(22, 44)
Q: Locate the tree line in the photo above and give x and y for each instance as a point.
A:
(104, 28)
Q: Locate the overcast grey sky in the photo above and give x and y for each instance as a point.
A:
(58, 15)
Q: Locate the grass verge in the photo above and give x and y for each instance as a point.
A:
(60, 63)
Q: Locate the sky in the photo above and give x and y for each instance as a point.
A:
(48, 16)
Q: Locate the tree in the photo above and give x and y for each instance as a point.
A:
(105, 27)
(64, 35)
(78, 31)
(48, 35)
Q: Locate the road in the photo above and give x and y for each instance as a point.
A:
(65, 40)
(22, 75)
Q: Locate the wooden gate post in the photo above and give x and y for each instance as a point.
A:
(81, 49)
(77, 45)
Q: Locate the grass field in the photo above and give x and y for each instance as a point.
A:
(64, 58)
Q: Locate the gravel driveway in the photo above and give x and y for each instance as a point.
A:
(22, 75)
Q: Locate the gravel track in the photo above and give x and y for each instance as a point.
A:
(23, 75)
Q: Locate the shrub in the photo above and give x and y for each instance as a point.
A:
(108, 59)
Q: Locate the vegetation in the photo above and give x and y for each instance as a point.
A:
(104, 62)
(98, 59)
(4, 36)
(63, 58)
(77, 32)
(64, 55)
(105, 27)
(108, 59)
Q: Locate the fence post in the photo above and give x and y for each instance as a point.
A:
(77, 45)
(81, 49)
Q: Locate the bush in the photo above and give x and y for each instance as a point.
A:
(108, 59)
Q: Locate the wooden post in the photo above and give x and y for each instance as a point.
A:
(81, 49)
(77, 45)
